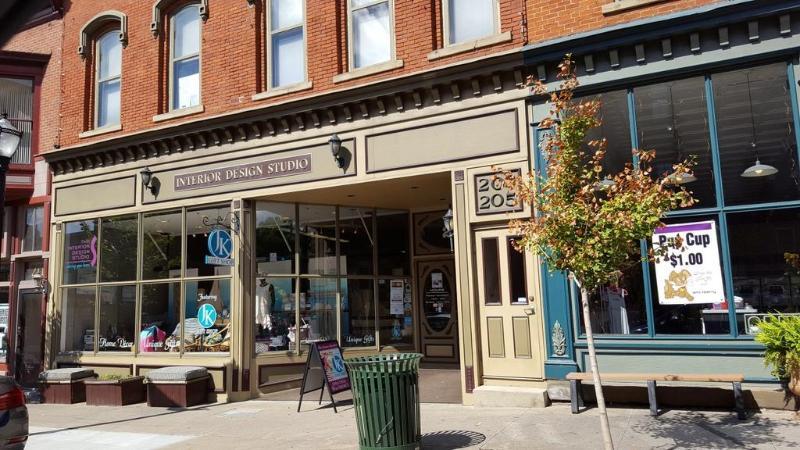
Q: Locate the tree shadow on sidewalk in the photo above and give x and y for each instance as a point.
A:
(451, 439)
(695, 429)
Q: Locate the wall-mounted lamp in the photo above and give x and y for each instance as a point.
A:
(447, 226)
(336, 150)
(147, 180)
(40, 280)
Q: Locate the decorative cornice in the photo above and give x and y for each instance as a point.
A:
(158, 12)
(98, 21)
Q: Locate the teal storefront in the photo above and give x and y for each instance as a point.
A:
(717, 83)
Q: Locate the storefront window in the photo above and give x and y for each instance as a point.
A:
(80, 252)
(317, 309)
(207, 331)
(118, 246)
(208, 234)
(615, 127)
(117, 329)
(358, 313)
(393, 239)
(356, 241)
(160, 330)
(161, 245)
(275, 237)
(396, 312)
(318, 240)
(77, 323)
(754, 123)
(275, 314)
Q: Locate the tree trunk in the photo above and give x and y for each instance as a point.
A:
(608, 444)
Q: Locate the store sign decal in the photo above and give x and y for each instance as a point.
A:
(262, 170)
(690, 274)
(83, 254)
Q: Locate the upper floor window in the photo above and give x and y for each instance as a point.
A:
(16, 99)
(287, 64)
(185, 59)
(371, 32)
(468, 20)
(109, 71)
(34, 223)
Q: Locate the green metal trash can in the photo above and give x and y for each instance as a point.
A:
(386, 400)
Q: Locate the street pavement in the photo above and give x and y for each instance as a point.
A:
(276, 425)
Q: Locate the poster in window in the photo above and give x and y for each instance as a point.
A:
(690, 274)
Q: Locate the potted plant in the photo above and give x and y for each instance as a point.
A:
(115, 390)
(780, 336)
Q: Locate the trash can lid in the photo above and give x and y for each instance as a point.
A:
(392, 361)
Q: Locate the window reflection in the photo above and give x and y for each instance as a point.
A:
(619, 307)
(200, 225)
(160, 322)
(318, 239)
(275, 314)
(358, 313)
(116, 330)
(80, 252)
(77, 325)
(161, 245)
(118, 248)
(615, 127)
(317, 310)
(214, 338)
(356, 241)
(275, 237)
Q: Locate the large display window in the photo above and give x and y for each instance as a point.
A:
(738, 126)
(173, 267)
(319, 277)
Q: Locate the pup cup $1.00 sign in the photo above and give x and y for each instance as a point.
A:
(690, 274)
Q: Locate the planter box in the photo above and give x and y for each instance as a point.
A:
(178, 393)
(115, 392)
(63, 392)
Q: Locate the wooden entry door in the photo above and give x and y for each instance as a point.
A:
(436, 283)
(510, 308)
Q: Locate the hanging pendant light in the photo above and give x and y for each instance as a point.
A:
(678, 177)
(757, 170)
(681, 178)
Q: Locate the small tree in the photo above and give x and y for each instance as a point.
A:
(587, 223)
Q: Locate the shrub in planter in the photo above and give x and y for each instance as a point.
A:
(115, 390)
(780, 335)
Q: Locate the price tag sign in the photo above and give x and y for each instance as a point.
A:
(690, 274)
(492, 196)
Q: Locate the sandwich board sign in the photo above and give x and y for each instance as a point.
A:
(324, 368)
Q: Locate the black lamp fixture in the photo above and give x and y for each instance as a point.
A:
(336, 150)
(447, 226)
(10, 138)
(147, 180)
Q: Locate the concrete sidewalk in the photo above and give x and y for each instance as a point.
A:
(277, 425)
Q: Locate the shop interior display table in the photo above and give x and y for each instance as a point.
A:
(181, 386)
(65, 386)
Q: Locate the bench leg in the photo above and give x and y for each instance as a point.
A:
(575, 395)
(651, 397)
(739, 401)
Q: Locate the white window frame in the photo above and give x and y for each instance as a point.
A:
(173, 59)
(446, 24)
(270, 33)
(350, 42)
(98, 81)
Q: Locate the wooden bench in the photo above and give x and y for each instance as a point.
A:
(576, 395)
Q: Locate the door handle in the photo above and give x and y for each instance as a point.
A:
(529, 311)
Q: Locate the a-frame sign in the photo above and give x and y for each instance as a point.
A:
(324, 368)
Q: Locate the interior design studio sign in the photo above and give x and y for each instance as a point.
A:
(261, 170)
(691, 273)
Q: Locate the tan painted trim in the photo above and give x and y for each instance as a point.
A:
(175, 113)
(99, 131)
(298, 87)
(369, 70)
(623, 5)
(469, 46)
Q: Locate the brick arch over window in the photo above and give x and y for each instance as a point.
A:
(161, 5)
(97, 23)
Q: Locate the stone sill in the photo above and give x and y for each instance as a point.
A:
(469, 46)
(369, 70)
(179, 113)
(624, 5)
(99, 131)
(297, 87)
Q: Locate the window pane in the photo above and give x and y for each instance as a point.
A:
(318, 239)
(317, 309)
(161, 309)
(754, 122)
(275, 228)
(216, 338)
(471, 19)
(77, 326)
(285, 13)
(161, 245)
(118, 248)
(706, 318)
(16, 99)
(117, 328)
(358, 313)
(762, 280)
(356, 241)
(275, 314)
(38, 220)
(672, 119)
(616, 128)
(516, 274)
(187, 32)
(110, 55)
(371, 35)
(32, 239)
(288, 61)
(619, 307)
(206, 245)
(80, 252)
(186, 90)
(396, 313)
(393, 243)
(108, 103)
(491, 271)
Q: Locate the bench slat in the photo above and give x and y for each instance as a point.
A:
(696, 377)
